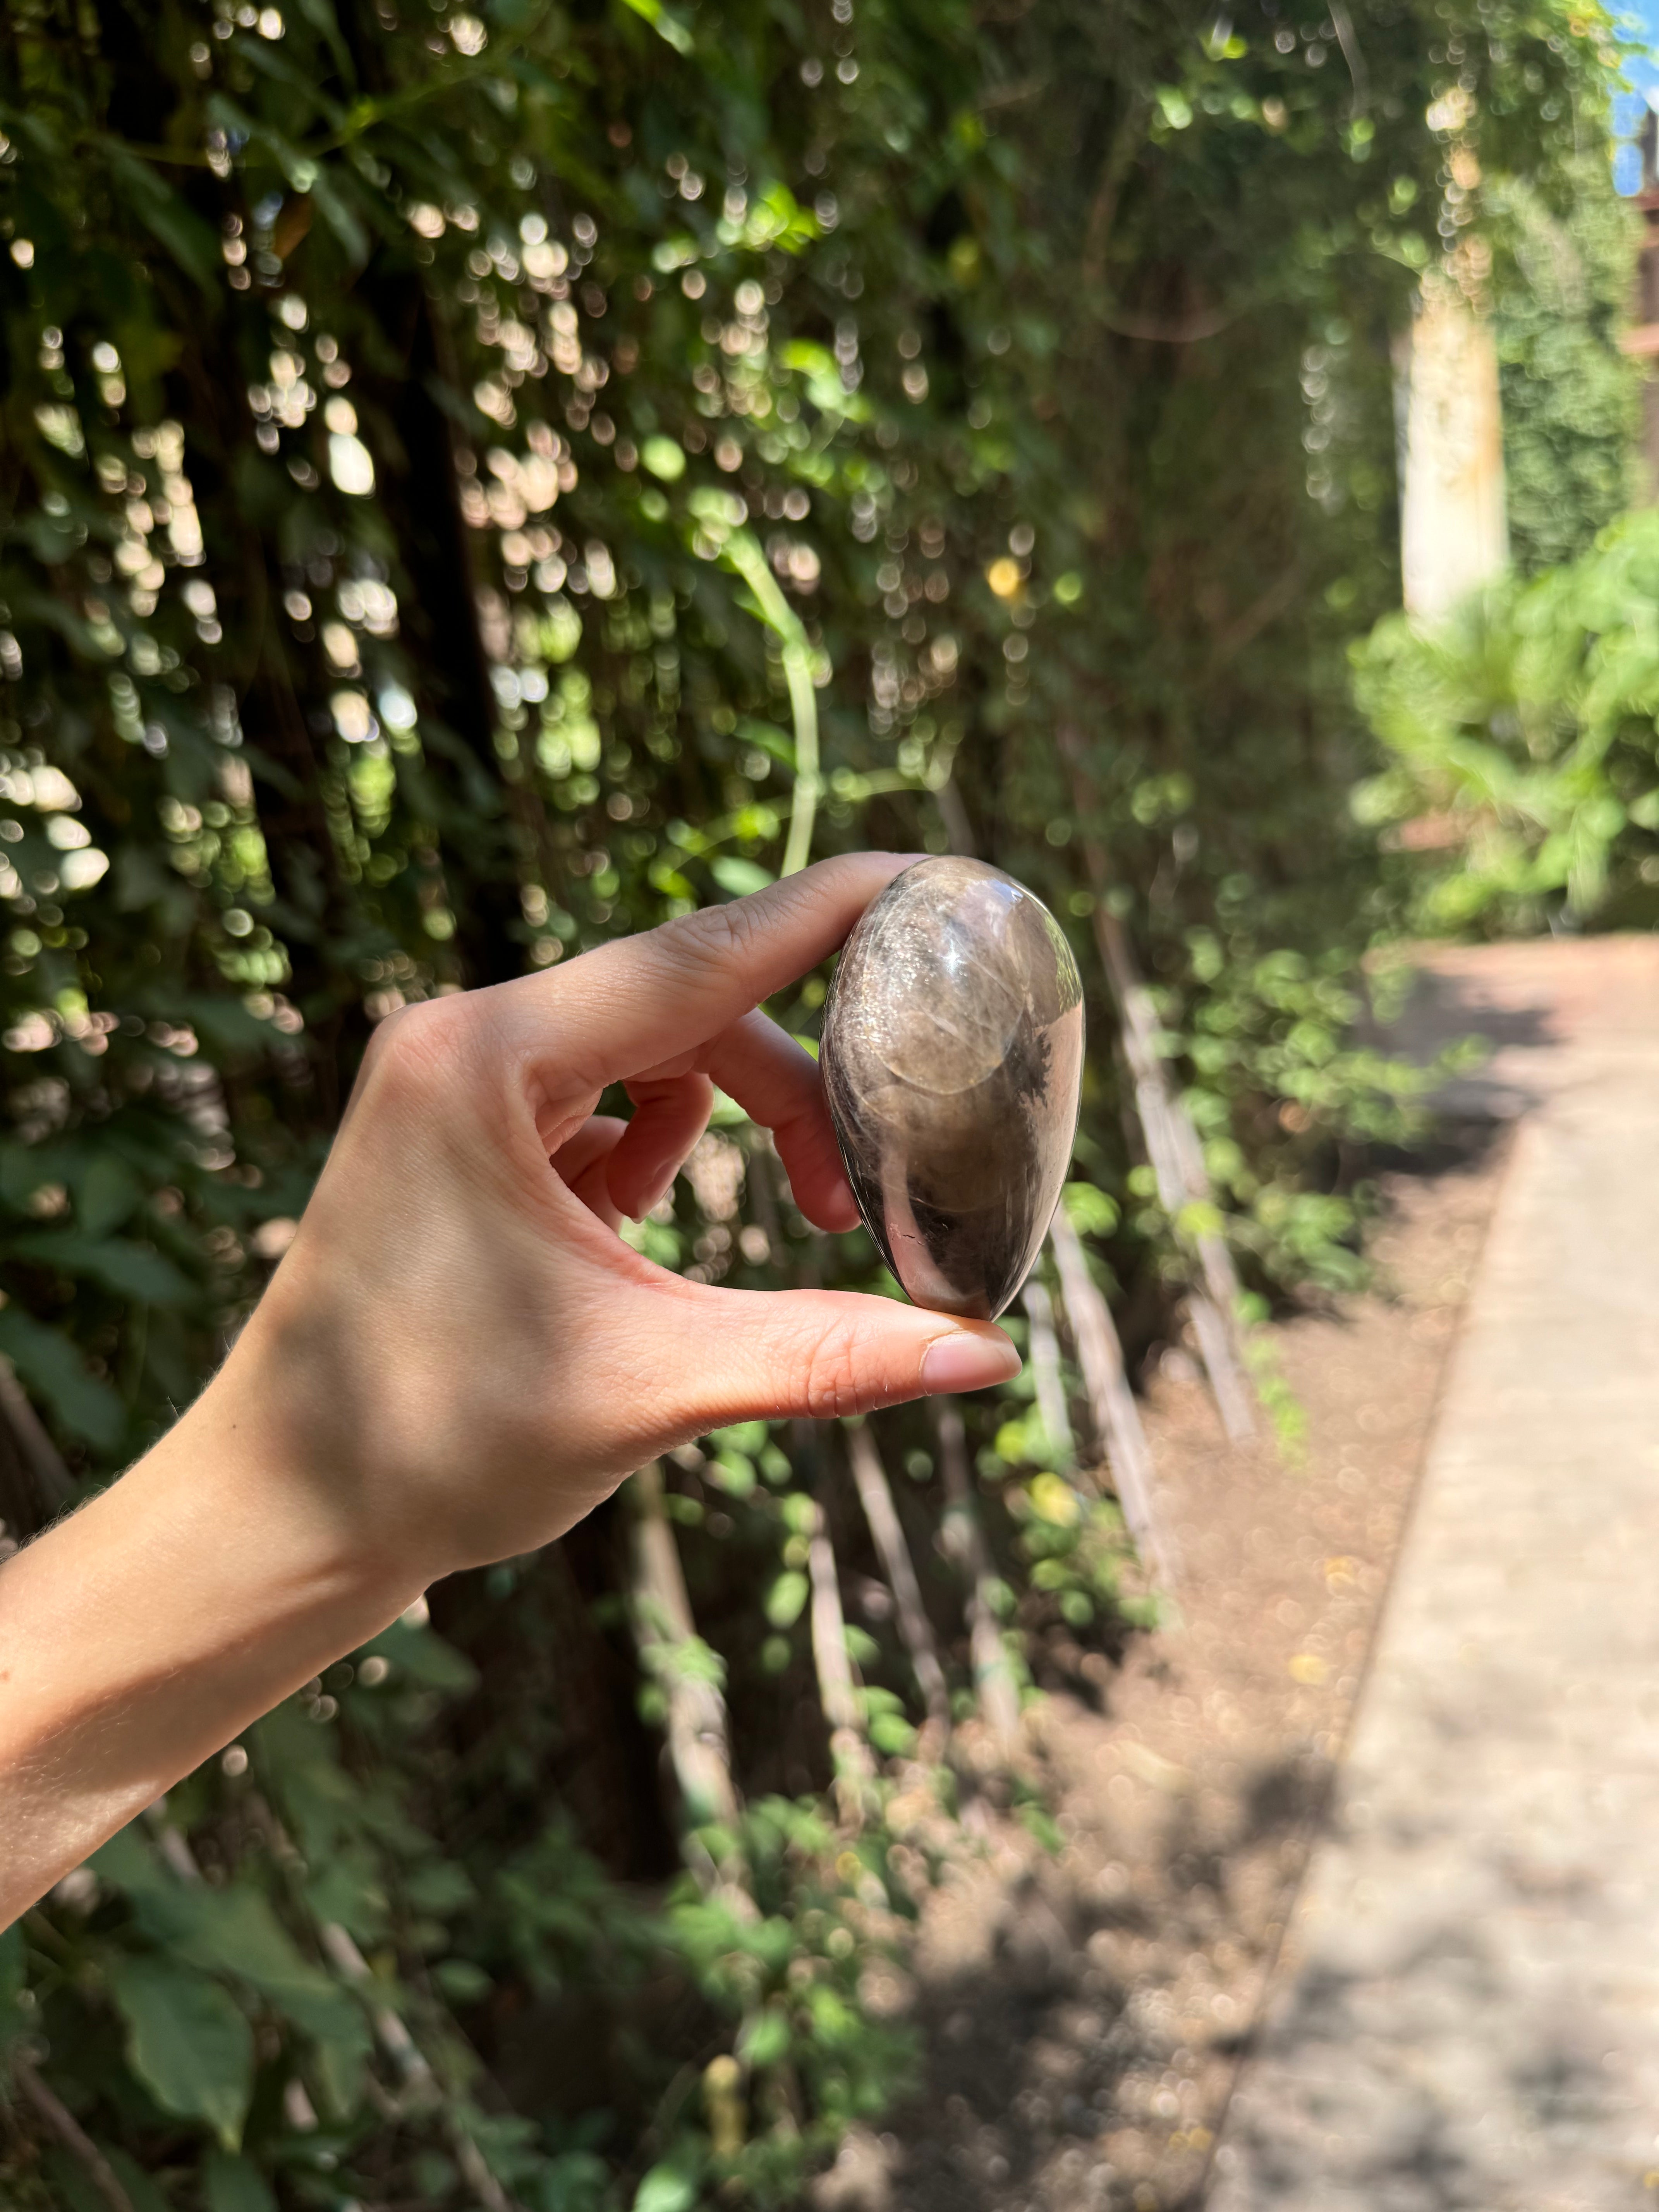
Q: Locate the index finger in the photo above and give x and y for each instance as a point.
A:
(640, 1001)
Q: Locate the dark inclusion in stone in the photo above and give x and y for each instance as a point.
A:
(952, 1059)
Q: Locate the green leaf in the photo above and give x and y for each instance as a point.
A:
(767, 2039)
(49, 1363)
(129, 1862)
(188, 2042)
(666, 2189)
(234, 2184)
(664, 458)
(130, 1270)
(192, 243)
(738, 876)
(748, 1437)
(72, 2189)
(1092, 1212)
(440, 1887)
(142, 2193)
(786, 1598)
(667, 25)
(890, 1733)
(735, 1473)
(461, 1982)
(424, 1657)
(234, 1932)
(108, 1192)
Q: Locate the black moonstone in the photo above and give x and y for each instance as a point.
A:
(953, 1062)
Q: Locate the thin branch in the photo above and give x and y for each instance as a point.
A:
(876, 1495)
(1126, 141)
(1172, 1145)
(69, 2132)
(744, 555)
(663, 1628)
(1045, 1370)
(856, 1769)
(38, 1464)
(964, 1538)
(1347, 39)
(954, 815)
(1116, 1417)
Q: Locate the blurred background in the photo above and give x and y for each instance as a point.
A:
(475, 485)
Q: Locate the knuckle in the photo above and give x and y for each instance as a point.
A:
(414, 1052)
(724, 935)
(835, 1380)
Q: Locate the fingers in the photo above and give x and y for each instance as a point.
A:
(640, 1002)
(583, 1163)
(719, 1355)
(671, 1112)
(778, 1085)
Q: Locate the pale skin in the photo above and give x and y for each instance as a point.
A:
(457, 1359)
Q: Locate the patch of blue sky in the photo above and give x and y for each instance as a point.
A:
(1641, 22)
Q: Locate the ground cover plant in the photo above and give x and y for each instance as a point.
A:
(478, 483)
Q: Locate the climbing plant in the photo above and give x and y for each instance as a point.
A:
(1563, 291)
(478, 483)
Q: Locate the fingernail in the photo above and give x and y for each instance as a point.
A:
(968, 1363)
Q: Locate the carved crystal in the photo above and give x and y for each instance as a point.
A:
(952, 1061)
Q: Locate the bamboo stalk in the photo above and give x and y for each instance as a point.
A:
(1111, 1401)
(1172, 1145)
(1045, 1370)
(856, 1769)
(964, 1539)
(876, 1495)
(698, 1744)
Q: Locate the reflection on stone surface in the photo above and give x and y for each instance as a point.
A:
(952, 1059)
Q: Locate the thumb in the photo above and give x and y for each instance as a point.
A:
(744, 1355)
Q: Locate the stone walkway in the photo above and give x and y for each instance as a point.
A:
(1466, 2016)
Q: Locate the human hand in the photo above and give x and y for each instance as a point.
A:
(459, 1355)
(456, 1359)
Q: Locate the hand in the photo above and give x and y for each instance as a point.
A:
(457, 1358)
(459, 1350)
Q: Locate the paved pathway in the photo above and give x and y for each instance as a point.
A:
(1467, 2013)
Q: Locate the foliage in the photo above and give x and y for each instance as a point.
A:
(477, 485)
(1522, 745)
(1570, 399)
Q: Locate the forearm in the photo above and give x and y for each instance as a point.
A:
(138, 1636)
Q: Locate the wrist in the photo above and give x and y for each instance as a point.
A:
(248, 1466)
(141, 1635)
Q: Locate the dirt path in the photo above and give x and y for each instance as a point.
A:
(1084, 2015)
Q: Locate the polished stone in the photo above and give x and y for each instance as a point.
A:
(953, 1062)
